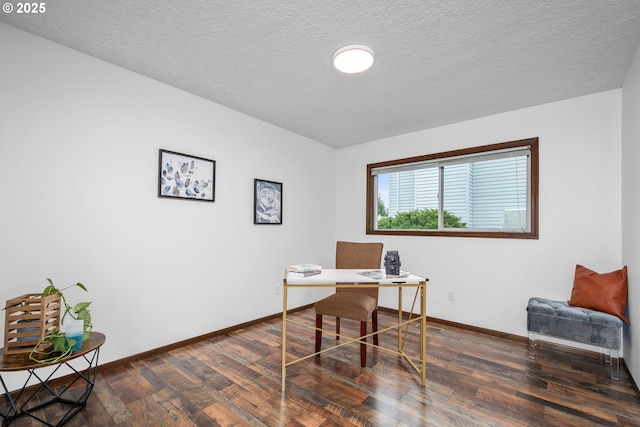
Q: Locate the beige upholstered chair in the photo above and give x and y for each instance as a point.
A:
(355, 304)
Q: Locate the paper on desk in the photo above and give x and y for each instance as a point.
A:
(382, 274)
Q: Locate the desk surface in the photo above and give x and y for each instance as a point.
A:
(21, 362)
(332, 276)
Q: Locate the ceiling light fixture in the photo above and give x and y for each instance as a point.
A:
(353, 58)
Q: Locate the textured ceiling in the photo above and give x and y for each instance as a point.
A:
(437, 61)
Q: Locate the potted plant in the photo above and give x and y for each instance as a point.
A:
(56, 344)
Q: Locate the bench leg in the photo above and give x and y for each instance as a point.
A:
(611, 358)
(532, 345)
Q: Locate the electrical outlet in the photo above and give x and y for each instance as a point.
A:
(452, 296)
(278, 288)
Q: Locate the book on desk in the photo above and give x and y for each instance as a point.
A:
(304, 270)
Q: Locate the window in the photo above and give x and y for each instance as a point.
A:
(488, 191)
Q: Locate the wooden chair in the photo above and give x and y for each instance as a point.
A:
(350, 303)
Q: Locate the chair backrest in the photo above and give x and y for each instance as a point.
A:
(367, 256)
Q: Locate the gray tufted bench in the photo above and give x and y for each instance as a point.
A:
(561, 320)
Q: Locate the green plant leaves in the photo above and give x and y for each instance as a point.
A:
(81, 307)
(61, 345)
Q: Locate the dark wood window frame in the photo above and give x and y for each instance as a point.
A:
(531, 233)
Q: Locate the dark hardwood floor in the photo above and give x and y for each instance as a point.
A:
(473, 379)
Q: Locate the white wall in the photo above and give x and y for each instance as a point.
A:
(631, 210)
(580, 196)
(79, 142)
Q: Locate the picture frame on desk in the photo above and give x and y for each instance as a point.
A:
(183, 176)
(267, 202)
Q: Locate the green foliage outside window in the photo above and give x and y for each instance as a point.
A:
(382, 209)
(420, 219)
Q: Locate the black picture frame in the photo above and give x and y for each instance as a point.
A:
(267, 202)
(187, 177)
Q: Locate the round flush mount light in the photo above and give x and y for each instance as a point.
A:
(353, 58)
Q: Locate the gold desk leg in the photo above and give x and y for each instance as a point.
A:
(284, 333)
(423, 332)
(400, 343)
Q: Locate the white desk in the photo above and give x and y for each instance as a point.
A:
(333, 278)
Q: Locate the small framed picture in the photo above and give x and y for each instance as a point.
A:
(267, 202)
(182, 176)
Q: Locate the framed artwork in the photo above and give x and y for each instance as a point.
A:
(267, 202)
(181, 176)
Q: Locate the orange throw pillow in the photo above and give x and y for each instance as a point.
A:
(605, 292)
